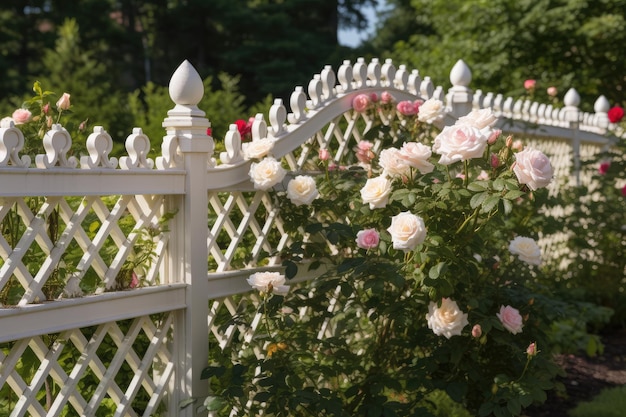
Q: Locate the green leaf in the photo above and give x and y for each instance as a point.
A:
(513, 194)
(477, 186)
(291, 269)
(210, 371)
(489, 203)
(186, 403)
(213, 403)
(477, 199)
(436, 271)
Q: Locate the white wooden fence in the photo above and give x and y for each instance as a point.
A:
(79, 337)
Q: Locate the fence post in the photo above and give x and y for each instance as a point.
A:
(570, 114)
(459, 98)
(187, 126)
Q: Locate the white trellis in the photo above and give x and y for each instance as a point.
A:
(140, 351)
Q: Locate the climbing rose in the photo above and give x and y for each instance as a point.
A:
(268, 282)
(364, 151)
(64, 102)
(459, 143)
(302, 190)
(257, 149)
(533, 168)
(480, 119)
(393, 164)
(447, 320)
(407, 231)
(416, 155)
(408, 108)
(552, 91)
(361, 102)
(324, 154)
(386, 97)
(531, 350)
(510, 319)
(526, 249)
(616, 114)
(477, 331)
(267, 173)
(245, 128)
(432, 110)
(376, 192)
(604, 167)
(21, 116)
(367, 239)
(529, 84)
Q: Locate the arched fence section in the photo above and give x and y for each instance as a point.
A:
(118, 277)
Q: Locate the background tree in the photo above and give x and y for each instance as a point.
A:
(565, 43)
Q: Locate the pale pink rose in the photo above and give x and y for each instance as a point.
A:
(46, 108)
(460, 175)
(268, 282)
(531, 350)
(495, 134)
(267, 173)
(64, 102)
(302, 190)
(364, 151)
(459, 143)
(517, 145)
(407, 231)
(376, 192)
(526, 249)
(324, 154)
(483, 176)
(361, 102)
(533, 168)
(552, 91)
(21, 116)
(447, 320)
(407, 108)
(393, 164)
(529, 84)
(367, 239)
(416, 155)
(431, 110)
(511, 319)
(477, 331)
(494, 161)
(478, 118)
(258, 149)
(386, 97)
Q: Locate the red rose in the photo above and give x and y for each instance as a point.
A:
(615, 114)
(244, 128)
(604, 167)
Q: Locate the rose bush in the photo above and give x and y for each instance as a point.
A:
(422, 284)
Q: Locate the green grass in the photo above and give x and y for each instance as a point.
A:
(609, 403)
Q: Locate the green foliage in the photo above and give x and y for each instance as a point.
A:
(355, 340)
(609, 403)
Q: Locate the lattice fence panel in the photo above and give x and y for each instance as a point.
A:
(53, 247)
(115, 369)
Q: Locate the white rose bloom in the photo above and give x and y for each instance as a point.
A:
(430, 111)
(447, 320)
(533, 168)
(257, 149)
(416, 155)
(393, 164)
(267, 173)
(376, 192)
(460, 143)
(302, 190)
(269, 282)
(407, 231)
(526, 249)
(480, 119)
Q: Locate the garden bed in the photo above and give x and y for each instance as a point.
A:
(586, 377)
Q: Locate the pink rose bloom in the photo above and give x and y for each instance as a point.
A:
(604, 167)
(64, 102)
(533, 168)
(494, 161)
(495, 134)
(393, 164)
(552, 91)
(529, 84)
(374, 97)
(531, 350)
(459, 143)
(511, 319)
(21, 116)
(364, 151)
(46, 108)
(367, 239)
(477, 331)
(324, 154)
(386, 97)
(407, 108)
(416, 155)
(361, 102)
(483, 176)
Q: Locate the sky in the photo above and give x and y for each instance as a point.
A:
(353, 37)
